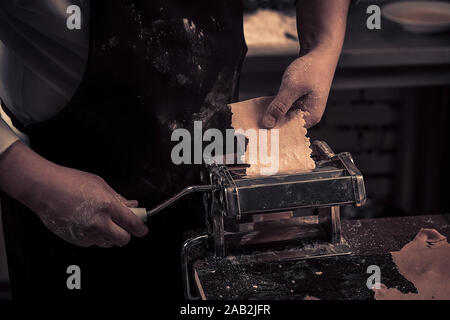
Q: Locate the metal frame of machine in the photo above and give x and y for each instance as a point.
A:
(273, 218)
(262, 219)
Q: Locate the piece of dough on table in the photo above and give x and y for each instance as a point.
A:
(294, 145)
(425, 263)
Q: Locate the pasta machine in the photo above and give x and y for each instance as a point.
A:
(273, 218)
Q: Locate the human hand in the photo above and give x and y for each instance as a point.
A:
(305, 85)
(77, 206)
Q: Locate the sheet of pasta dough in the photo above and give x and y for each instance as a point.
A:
(425, 263)
(294, 145)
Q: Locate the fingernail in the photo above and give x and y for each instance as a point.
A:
(269, 121)
(144, 231)
(133, 204)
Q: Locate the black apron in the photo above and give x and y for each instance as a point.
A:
(154, 66)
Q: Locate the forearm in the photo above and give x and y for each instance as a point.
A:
(307, 81)
(77, 206)
(23, 173)
(321, 25)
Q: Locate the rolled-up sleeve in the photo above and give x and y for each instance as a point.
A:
(7, 136)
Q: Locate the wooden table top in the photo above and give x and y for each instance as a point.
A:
(342, 277)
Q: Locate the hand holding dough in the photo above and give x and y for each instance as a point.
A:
(294, 145)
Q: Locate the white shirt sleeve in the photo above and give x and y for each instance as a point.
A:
(42, 62)
(7, 136)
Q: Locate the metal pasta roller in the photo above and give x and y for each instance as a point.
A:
(274, 218)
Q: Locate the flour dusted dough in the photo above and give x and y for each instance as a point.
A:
(425, 262)
(294, 145)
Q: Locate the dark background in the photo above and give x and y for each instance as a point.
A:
(388, 107)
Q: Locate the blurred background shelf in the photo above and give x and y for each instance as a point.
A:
(388, 105)
(390, 57)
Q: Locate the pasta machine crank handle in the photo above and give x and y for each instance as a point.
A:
(144, 215)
